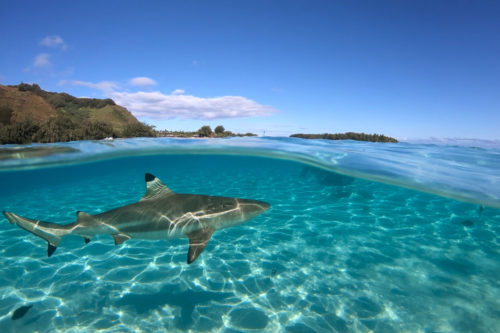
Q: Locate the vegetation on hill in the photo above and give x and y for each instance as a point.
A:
(31, 114)
(63, 100)
(62, 129)
(347, 136)
(139, 130)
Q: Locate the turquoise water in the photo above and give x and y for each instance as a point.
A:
(360, 237)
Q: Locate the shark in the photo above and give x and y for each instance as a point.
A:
(161, 214)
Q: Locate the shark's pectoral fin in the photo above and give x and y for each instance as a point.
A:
(197, 241)
(120, 238)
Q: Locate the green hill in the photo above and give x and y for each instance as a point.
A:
(30, 114)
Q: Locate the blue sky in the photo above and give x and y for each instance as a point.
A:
(406, 69)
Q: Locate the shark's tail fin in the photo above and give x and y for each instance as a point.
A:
(51, 232)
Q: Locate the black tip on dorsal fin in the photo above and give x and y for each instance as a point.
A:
(149, 177)
(154, 187)
(87, 240)
(50, 249)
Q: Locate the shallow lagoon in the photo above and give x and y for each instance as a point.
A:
(334, 252)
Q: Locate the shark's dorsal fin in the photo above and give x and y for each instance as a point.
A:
(197, 241)
(155, 188)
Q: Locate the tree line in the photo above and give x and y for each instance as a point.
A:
(204, 132)
(63, 129)
(347, 136)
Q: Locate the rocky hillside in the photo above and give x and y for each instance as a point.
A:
(29, 102)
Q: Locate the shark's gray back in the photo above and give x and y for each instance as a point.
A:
(175, 214)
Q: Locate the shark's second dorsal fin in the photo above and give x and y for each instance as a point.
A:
(80, 215)
(155, 188)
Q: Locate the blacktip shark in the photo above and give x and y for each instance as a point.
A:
(160, 214)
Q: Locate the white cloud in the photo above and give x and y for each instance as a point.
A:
(178, 105)
(178, 92)
(42, 60)
(158, 105)
(107, 87)
(142, 81)
(53, 41)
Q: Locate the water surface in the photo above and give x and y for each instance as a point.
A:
(334, 253)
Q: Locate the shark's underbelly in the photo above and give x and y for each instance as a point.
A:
(153, 235)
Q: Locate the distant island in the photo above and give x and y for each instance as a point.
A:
(347, 136)
(30, 114)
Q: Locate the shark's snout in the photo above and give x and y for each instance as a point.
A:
(253, 208)
(264, 206)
